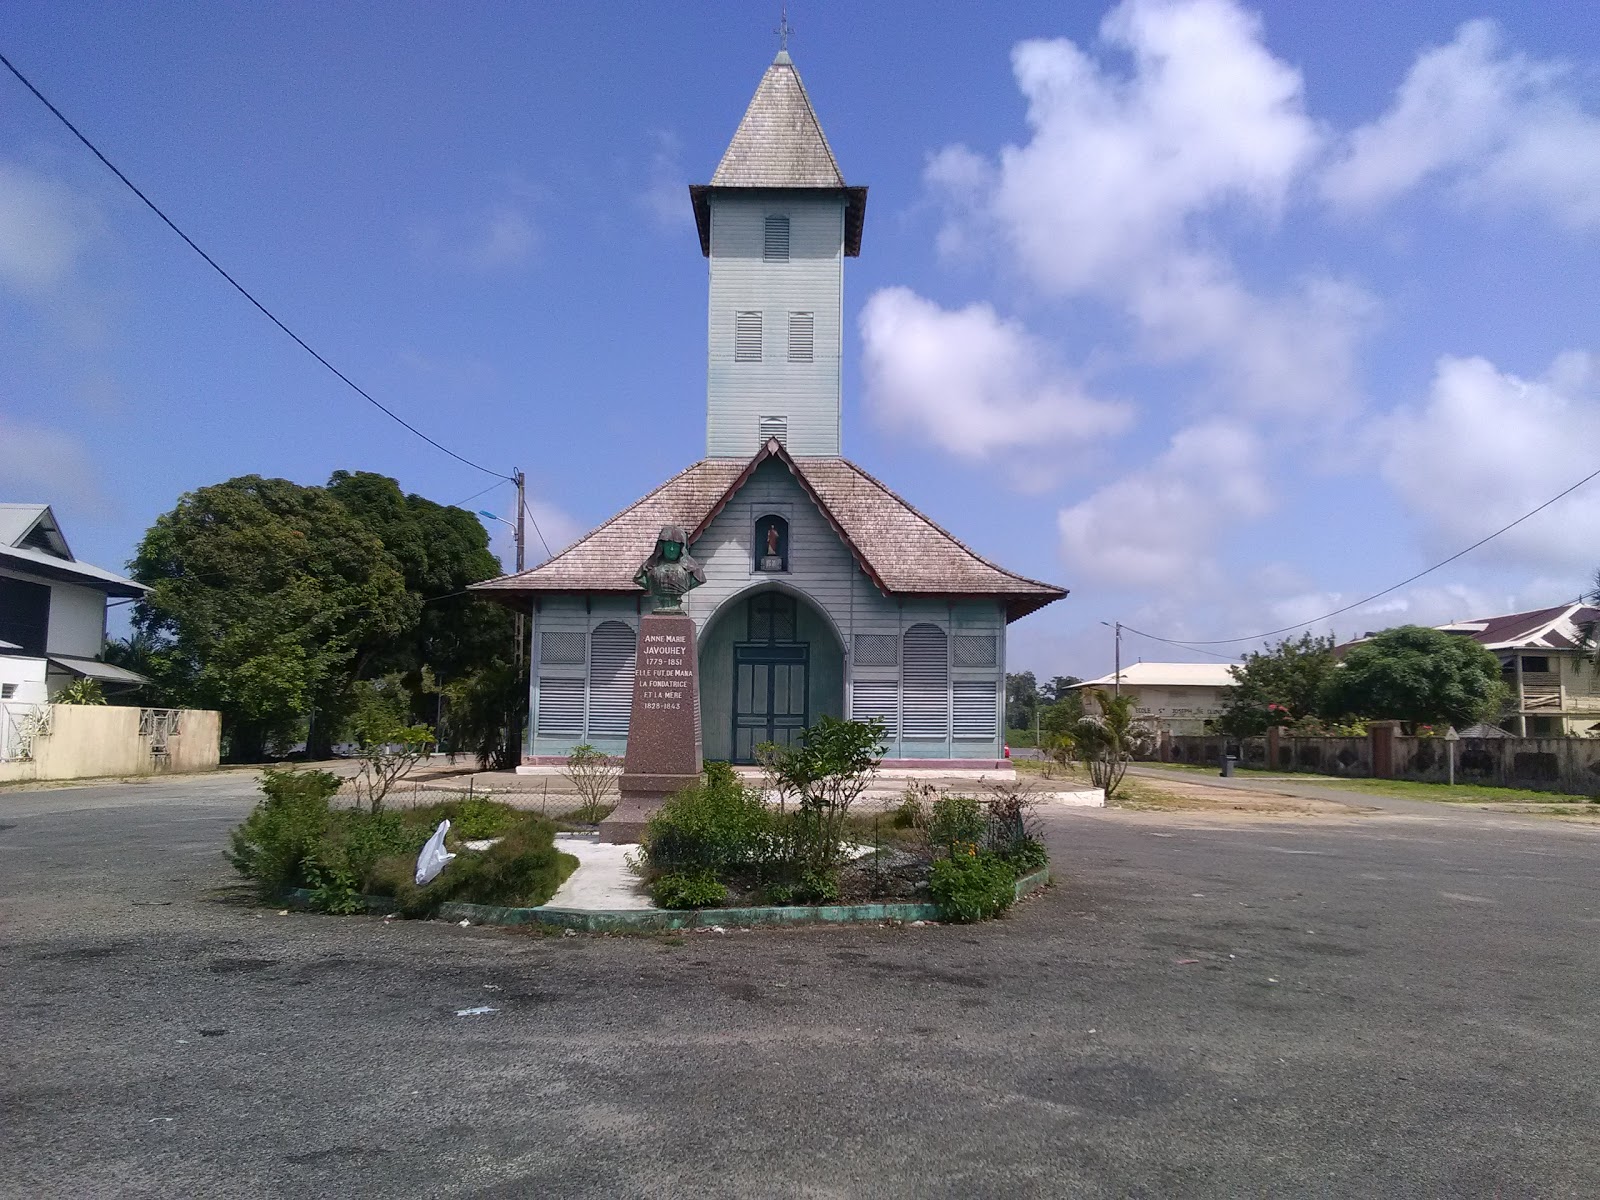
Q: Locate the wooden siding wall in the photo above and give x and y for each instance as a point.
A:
(738, 395)
(824, 574)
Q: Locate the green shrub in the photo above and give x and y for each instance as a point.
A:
(972, 886)
(818, 887)
(718, 824)
(523, 870)
(956, 820)
(334, 889)
(471, 818)
(1026, 856)
(912, 811)
(284, 829)
(695, 888)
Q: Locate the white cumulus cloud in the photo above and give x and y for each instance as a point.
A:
(1486, 446)
(1118, 164)
(972, 382)
(42, 229)
(1501, 127)
(1159, 525)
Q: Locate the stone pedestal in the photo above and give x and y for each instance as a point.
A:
(664, 727)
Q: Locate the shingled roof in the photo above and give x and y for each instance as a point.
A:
(780, 144)
(901, 551)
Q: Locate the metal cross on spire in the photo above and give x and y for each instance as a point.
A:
(784, 29)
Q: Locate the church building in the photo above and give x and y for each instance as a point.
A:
(825, 592)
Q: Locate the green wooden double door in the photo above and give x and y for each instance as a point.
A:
(771, 687)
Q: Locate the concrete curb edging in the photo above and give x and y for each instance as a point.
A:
(647, 920)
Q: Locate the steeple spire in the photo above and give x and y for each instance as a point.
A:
(784, 30)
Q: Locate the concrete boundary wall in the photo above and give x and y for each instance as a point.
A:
(82, 741)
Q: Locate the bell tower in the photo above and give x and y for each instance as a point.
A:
(776, 222)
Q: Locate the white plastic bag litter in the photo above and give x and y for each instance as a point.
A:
(434, 856)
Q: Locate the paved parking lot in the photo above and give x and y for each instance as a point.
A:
(1391, 1005)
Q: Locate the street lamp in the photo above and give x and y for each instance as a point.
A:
(1116, 680)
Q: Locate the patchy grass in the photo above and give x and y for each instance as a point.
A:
(1409, 789)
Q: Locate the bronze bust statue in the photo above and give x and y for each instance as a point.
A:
(670, 571)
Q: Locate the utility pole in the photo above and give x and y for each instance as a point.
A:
(1117, 678)
(522, 508)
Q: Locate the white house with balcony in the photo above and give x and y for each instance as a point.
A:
(52, 610)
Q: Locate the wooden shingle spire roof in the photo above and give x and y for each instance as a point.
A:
(780, 145)
(899, 549)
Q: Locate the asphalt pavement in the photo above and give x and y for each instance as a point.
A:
(1393, 1005)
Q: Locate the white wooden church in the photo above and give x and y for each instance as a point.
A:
(825, 592)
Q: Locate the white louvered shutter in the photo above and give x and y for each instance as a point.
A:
(802, 329)
(747, 337)
(925, 668)
(775, 243)
(560, 708)
(612, 647)
(976, 709)
(873, 699)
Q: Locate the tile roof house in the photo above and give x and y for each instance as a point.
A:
(825, 592)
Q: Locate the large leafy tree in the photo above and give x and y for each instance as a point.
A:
(267, 600)
(1022, 699)
(1058, 689)
(1278, 686)
(1419, 676)
(439, 550)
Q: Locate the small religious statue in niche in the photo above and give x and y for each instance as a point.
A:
(772, 544)
(670, 571)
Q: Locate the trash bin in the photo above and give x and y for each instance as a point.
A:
(1227, 765)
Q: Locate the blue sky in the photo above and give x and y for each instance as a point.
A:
(1221, 316)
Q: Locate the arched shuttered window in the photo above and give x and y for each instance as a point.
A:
(612, 647)
(925, 670)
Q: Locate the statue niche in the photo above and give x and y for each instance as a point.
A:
(772, 543)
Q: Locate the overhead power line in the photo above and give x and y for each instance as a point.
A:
(1443, 562)
(239, 287)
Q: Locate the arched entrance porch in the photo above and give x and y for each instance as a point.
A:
(771, 664)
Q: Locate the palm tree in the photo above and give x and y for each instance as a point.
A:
(1589, 631)
(1104, 742)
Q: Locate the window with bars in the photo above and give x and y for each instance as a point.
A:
(976, 713)
(775, 245)
(973, 650)
(877, 649)
(560, 708)
(877, 700)
(925, 670)
(560, 649)
(747, 337)
(612, 647)
(802, 326)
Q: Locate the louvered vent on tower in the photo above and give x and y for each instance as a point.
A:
(772, 427)
(877, 649)
(802, 326)
(973, 650)
(775, 247)
(560, 649)
(747, 337)
(925, 668)
(612, 647)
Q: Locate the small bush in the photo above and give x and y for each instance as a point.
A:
(697, 888)
(593, 775)
(713, 826)
(972, 886)
(1026, 856)
(284, 829)
(956, 819)
(471, 818)
(912, 811)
